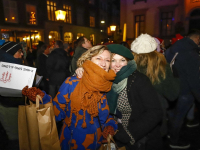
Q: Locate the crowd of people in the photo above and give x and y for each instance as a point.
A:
(112, 89)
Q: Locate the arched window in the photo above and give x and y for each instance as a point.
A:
(79, 34)
(68, 37)
(53, 35)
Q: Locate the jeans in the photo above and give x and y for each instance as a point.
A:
(190, 114)
(177, 116)
(53, 90)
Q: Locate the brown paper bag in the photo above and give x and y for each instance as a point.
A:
(47, 126)
(28, 127)
(37, 127)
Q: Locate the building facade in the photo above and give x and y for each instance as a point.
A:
(33, 21)
(159, 18)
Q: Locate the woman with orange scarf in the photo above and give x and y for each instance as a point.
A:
(82, 104)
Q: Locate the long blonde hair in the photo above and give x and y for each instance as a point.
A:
(93, 51)
(154, 63)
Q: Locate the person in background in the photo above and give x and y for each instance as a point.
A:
(82, 102)
(43, 53)
(10, 52)
(185, 67)
(153, 64)
(57, 66)
(83, 44)
(30, 57)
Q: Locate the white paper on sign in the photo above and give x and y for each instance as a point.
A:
(15, 77)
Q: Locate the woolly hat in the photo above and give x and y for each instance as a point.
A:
(120, 50)
(144, 44)
(11, 47)
(158, 46)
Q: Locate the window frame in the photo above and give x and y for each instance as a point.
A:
(51, 13)
(9, 13)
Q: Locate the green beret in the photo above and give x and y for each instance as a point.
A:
(120, 50)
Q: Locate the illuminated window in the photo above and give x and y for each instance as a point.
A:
(79, 35)
(51, 8)
(68, 37)
(68, 17)
(92, 20)
(31, 14)
(53, 36)
(139, 25)
(92, 39)
(166, 23)
(10, 11)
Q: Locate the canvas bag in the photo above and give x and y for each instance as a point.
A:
(111, 145)
(37, 127)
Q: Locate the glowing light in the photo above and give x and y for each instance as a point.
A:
(60, 14)
(37, 36)
(50, 36)
(13, 18)
(27, 38)
(112, 27)
(102, 21)
(6, 19)
(124, 33)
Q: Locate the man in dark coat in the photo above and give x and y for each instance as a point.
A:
(57, 66)
(186, 67)
(83, 44)
(10, 52)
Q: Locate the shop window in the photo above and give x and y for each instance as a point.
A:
(51, 8)
(68, 37)
(92, 39)
(80, 13)
(92, 20)
(10, 11)
(79, 35)
(53, 36)
(167, 21)
(31, 14)
(68, 17)
(139, 25)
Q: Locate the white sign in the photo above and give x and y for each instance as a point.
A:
(14, 77)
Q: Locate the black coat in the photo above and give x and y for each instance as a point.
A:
(146, 110)
(41, 65)
(187, 65)
(57, 66)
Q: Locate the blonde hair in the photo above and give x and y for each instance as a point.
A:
(154, 63)
(93, 51)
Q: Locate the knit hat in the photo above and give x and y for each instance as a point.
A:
(144, 44)
(120, 50)
(11, 47)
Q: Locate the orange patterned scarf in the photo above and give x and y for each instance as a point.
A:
(89, 91)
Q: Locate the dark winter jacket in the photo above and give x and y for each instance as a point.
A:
(57, 65)
(10, 101)
(187, 65)
(78, 52)
(41, 65)
(146, 110)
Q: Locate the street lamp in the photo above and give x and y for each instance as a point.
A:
(112, 29)
(60, 16)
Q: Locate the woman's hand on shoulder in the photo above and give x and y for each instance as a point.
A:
(79, 72)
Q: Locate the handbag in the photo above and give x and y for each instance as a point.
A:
(111, 145)
(37, 126)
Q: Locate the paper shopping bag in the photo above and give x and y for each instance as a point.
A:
(48, 133)
(28, 127)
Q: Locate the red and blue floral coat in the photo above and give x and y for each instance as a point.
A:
(79, 138)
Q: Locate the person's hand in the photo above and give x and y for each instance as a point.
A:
(79, 72)
(32, 92)
(122, 135)
(108, 130)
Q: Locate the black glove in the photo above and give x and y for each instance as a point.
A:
(122, 135)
